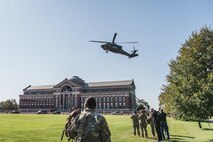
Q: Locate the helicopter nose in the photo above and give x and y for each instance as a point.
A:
(103, 46)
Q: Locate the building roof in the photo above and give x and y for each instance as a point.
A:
(110, 83)
(40, 87)
(89, 84)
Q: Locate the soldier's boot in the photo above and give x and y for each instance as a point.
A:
(146, 133)
(138, 133)
(134, 131)
(142, 133)
(153, 133)
(153, 130)
(163, 136)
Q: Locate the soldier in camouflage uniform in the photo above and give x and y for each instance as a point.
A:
(67, 130)
(150, 121)
(90, 126)
(135, 122)
(143, 123)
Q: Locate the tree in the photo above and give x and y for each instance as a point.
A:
(189, 91)
(9, 105)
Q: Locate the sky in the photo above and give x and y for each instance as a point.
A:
(44, 42)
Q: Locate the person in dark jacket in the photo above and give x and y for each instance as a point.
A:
(163, 125)
(157, 120)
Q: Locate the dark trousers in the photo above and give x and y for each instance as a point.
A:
(152, 129)
(136, 127)
(158, 130)
(143, 130)
(164, 127)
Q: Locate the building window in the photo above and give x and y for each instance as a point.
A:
(111, 105)
(97, 105)
(104, 105)
(82, 100)
(120, 105)
(124, 105)
(107, 105)
(107, 99)
(119, 99)
(75, 102)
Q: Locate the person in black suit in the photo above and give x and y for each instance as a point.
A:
(157, 121)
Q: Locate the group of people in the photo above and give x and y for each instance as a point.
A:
(157, 121)
(90, 126)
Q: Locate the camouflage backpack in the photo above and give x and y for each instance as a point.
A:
(68, 124)
(88, 127)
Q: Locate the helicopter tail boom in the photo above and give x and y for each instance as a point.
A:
(134, 54)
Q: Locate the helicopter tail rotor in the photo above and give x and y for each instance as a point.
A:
(134, 51)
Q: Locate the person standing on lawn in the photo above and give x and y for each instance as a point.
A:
(135, 122)
(143, 123)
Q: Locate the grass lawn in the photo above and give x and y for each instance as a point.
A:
(48, 128)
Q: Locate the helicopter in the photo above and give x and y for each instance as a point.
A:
(114, 47)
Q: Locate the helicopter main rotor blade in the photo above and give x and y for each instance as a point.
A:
(99, 41)
(114, 37)
(126, 42)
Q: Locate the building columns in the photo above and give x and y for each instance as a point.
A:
(68, 101)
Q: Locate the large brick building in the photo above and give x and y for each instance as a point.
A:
(110, 95)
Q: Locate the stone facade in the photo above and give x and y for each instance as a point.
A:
(110, 95)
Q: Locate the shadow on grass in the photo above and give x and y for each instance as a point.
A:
(210, 140)
(208, 129)
(171, 140)
(177, 140)
(152, 138)
(180, 138)
(174, 138)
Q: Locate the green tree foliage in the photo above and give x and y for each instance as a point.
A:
(9, 105)
(189, 91)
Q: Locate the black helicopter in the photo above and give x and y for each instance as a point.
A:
(114, 47)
